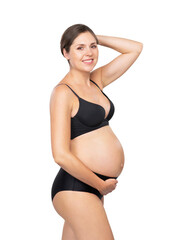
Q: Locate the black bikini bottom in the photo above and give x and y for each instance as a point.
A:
(64, 181)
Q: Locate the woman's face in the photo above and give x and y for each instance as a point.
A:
(83, 48)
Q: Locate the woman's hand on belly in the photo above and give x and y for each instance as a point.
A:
(108, 186)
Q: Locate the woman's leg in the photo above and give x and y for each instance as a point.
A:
(68, 233)
(85, 213)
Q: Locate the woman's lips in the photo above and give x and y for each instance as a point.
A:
(88, 61)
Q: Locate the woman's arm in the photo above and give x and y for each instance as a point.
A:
(129, 49)
(121, 45)
(61, 103)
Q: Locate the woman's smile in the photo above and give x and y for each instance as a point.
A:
(88, 61)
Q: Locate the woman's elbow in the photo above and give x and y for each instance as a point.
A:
(140, 47)
(60, 158)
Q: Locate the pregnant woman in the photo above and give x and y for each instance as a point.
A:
(89, 154)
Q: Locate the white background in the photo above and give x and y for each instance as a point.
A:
(147, 203)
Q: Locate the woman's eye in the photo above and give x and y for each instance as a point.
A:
(80, 48)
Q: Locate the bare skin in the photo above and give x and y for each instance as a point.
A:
(68, 232)
(99, 150)
(85, 217)
(108, 157)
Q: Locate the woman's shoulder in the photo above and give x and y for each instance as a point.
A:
(61, 90)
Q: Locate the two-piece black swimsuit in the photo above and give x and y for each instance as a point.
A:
(90, 116)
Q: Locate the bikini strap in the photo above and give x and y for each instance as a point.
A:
(95, 84)
(69, 87)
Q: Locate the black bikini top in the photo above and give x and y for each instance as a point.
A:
(90, 116)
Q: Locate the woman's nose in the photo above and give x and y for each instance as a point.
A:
(88, 51)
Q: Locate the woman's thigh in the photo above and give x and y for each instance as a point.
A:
(85, 213)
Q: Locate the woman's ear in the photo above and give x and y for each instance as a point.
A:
(66, 54)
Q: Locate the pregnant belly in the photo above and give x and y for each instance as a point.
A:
(100, 150)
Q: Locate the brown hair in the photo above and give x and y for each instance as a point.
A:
(71, 33)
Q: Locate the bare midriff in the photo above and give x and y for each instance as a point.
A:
(100, 150)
